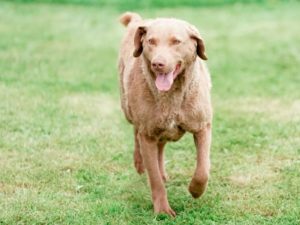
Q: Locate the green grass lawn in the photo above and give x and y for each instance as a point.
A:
(66, 149)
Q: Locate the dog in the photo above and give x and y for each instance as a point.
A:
(165, 92)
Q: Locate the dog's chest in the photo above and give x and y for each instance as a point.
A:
(167, 126)
(172, 124)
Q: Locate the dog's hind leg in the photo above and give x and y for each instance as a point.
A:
(138, 159)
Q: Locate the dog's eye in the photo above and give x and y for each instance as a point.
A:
(176, 42)
(151, 41)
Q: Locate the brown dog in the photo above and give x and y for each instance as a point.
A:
(165, 91)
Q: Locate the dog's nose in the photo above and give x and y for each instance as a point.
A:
(158, 65)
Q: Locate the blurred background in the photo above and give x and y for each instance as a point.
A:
(66, 149)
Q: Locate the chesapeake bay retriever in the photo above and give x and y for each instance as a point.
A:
(165, 91)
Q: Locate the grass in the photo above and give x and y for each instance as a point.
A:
(139, 4)
(66, 149)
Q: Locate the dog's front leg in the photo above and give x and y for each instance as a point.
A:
(199, 181)
(149, 151)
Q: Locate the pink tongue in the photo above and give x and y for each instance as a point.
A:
(164, 82)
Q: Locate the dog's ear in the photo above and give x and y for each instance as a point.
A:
(195, 35)
(138, 41)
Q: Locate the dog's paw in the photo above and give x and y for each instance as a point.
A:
(197, 186)
(138, 162)
(164, 176)
(162, 207)
(139, 166)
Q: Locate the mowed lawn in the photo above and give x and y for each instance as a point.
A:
(66, 149)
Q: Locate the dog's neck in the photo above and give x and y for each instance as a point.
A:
(179, 88)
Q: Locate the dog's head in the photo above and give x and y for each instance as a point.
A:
(168, 46)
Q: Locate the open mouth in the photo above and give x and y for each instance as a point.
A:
(164, 81)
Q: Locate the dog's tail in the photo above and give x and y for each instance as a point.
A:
(129, 17)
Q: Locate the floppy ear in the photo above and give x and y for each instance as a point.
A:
(194, 34)
(138, 46)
